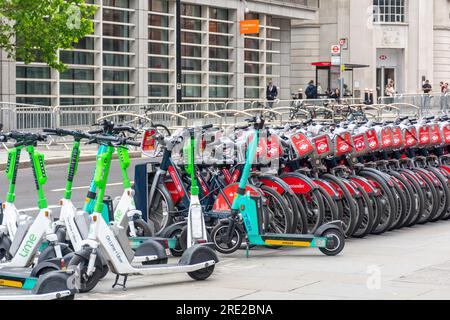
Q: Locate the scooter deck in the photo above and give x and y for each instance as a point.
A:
(138, 241)
(294, 240)
(17, 278)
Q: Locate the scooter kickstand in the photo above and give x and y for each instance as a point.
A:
(123, 284)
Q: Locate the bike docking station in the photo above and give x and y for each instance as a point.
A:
(246, 219)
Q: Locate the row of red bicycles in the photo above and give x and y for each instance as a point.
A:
(374, 176)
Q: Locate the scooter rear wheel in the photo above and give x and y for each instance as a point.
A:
(339, 242)
(201, 256)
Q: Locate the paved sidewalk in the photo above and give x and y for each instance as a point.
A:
(407, 264)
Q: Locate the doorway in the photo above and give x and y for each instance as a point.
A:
(384, 75)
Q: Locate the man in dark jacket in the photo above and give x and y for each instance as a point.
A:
(271, 93)
(311, 91)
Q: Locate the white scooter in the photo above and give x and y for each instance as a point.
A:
(198, 261)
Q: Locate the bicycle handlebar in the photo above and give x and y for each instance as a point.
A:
(64, 132)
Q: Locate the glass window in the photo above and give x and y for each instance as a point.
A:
(116, 15)
(189, 37)
(85, 43)
(191, 24)
(251, 43)
(34, 100)
(76, 89)
(158, 6)
(218, 92)
(73, 57)
(392, 11)
(189, 64)
(158, 63)
(110, 89)
(78, 74)
(192, 78)
(113, 30)
(219, 14)
(251, 68)
(218, 66)
(191, 51)
(33, 87)
(158, 91)
(251, 81)
(252, 93)
(76, 101)
(217, 40)
(191, 10)
(116, 45)
(159, 21)
(158, 35)
(192, 92)
(117, 3)
(251, 56)
(116, 75)
(115, 60)
(158, 48)
(116, 101)
(216, 53)
(158, 77)
(218, 27)
(218, 79)
(33, 72)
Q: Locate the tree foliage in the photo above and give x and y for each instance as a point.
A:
(34, 30)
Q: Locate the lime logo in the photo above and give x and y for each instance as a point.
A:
(118, 215)
(28, 246)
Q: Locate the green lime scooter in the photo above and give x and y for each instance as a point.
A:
(111, 240)
(21, 236)
(246, 220)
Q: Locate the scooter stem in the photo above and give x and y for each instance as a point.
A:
(11, 173)
(251, 152)
(73, 165)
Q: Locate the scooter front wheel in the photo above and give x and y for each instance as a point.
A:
(87, 283)
(223, 242)
(338, 239)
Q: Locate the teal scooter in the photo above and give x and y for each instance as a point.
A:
(246, 220)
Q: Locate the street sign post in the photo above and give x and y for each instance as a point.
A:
(336, 60)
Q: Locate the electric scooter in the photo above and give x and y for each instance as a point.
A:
(198, 261)
(29, 233)
(246, 220)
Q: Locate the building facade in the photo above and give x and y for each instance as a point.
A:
(406, 41)
(131, 56)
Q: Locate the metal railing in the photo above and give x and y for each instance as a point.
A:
(432, 103)
(31, 117)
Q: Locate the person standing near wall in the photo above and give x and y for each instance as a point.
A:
(311, 91)
(271, 93)
(426, 98)
(444, 97)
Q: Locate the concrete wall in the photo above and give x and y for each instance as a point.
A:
(441, 37)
